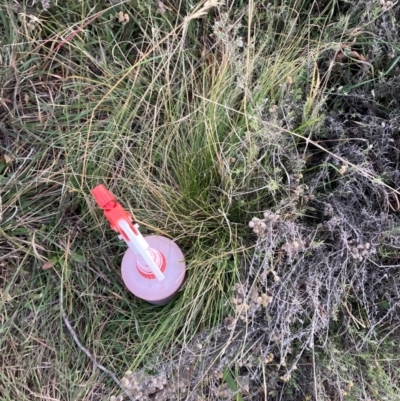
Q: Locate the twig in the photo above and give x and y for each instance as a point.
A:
(313, 361)
(91, 357)
(85, 350)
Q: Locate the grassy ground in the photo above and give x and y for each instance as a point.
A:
(199, 119)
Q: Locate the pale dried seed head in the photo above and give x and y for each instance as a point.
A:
(125, 382)
(212, 3)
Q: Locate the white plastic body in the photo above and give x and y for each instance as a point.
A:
(152, 290)
(140, 247)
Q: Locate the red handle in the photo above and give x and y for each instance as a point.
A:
(113, 211)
